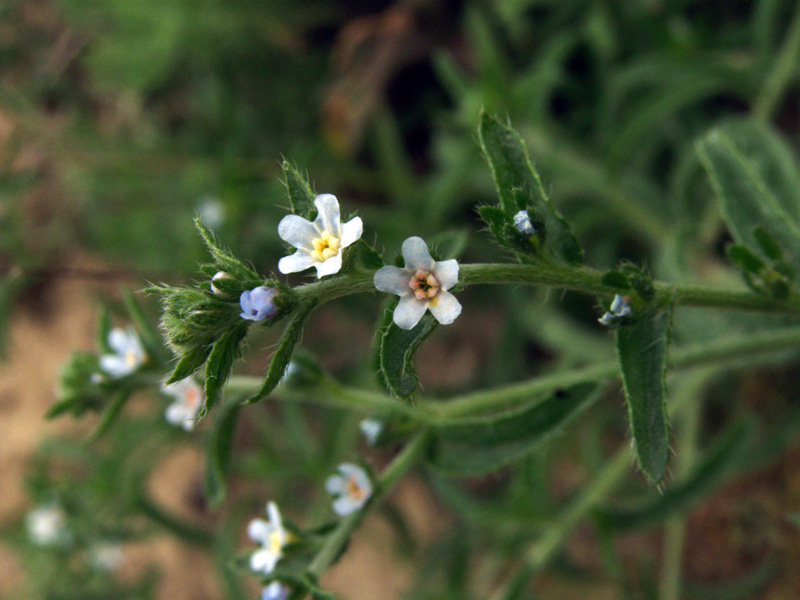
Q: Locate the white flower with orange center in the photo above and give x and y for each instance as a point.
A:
(128, 354)
(422, 285)
(319, 244)
(189, 398)
(352, 488)
(272, 537)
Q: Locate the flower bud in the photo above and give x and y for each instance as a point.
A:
(258, 304)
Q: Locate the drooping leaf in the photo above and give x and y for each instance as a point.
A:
(396, 353)
(516, 179)
(218, 452)
(679, 496)
(283, 352)
(301, 195)
(642, 351)
(220, 361)
(747, 200)
(480, 445)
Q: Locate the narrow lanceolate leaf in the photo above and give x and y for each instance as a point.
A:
(642, 350)
(301, 195)
(747, 200)
(220, 362)
(218, 453)
(715, 465)
(480, 445)
(517, 180)
(283, 352)
(224, 260)
(396, 353)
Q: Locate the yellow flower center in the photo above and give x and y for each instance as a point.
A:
(131, 359)
(325, 246)
(424, 285)
(275, 542)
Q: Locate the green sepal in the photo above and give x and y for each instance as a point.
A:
(680, 496)
(496, 219)
(745, 258)
(396, 348)
(642, 351)
(520, 188)
(224, 260)
(299, 190)
(283, 351)
(189, 363)
(218, 452)
(220, 362)
(483, 444)
(617, 280)
(641, 281)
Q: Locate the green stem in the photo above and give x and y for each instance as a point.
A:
(336, 541)
(185, 531)
(784, 69)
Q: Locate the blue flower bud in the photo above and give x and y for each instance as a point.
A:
(523, 224)
(258, 304)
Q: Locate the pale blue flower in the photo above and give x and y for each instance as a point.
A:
(319, 244)
(422, 285)
(258, 304)
(352, 488)
(619, 309)
(275, 591)
(522, 222)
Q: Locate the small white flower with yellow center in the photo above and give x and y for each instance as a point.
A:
(422, 285)
(352, 486)
(47, 526)
(319, 244)
(189, 398)
(272, 537)
(128, 355)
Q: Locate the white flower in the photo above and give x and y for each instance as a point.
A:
(189, 398)
(319, 244)
(275, 591)
(371, 429)
(272, 537)
(128, 355)
(422, 285)
(522, 222)
(352, 487)
(47, 526)
(619, 309)
(105, 556)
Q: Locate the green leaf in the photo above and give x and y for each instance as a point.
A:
(224, 260)
(396, 353)
(218, 452)
(767, 243)
(480, 445)
(220, 361)
(301, 195)
(642, 350)
(513, 173)
(189, 363)
(617, 280)
(747, 201)
(283, 352)
(745, 258)
(679, 497)
(103, 329)
(360, 256)
(111, 413)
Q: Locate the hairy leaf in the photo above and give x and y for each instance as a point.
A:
(513, 173)
(397, 349)
(480, 445)
(220, 361)
(642, 350)
(301, 195)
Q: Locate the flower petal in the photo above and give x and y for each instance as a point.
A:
(343, 506)
(297, 231)
(119, 340)
(263, 561)
(446, 273)
(115, 366)
(409, 311)
(294, 263)
(335, 484)
(351, 231)
(445, 307)
(175, 414)
(330, 266)
(258, 530)
(328, 214)
(393, 280)
(274, 515)
(416, 255)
